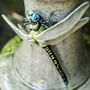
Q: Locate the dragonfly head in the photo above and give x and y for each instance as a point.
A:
(32, 17)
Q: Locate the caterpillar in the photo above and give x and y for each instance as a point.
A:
(35, 20)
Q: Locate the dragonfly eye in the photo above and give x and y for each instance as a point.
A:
(35, 17)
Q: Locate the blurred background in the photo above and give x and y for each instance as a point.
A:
(15, 10)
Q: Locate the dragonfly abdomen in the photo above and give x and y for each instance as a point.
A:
(56, 63)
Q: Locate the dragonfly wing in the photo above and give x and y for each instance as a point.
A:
(63, 26)
(21, 28)
(15, 29)
(66, 34)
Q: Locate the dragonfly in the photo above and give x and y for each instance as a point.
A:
(54, 34)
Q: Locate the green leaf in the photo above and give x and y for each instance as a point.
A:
(10, 46)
